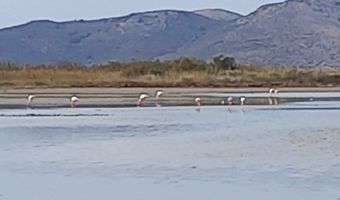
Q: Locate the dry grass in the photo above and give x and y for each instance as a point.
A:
(178, 73)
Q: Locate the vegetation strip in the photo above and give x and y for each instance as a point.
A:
(183, 72)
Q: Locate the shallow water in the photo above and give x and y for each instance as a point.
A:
(289, 151)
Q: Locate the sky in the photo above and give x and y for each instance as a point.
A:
(15, 12)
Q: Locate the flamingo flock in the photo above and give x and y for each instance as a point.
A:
(74, 100)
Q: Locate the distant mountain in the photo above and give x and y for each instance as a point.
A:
(295, 32)
(137, 36)
(218, 14)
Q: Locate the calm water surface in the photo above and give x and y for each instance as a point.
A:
(289, 151)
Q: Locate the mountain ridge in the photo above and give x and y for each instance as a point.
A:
(287, 33)
(293, 32)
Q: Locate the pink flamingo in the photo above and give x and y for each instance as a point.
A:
(141, 98)
(74, 99)
(242, 100)
(273, 92)
(230, 100)
(198, 102)
(30, 100)
(158, 94)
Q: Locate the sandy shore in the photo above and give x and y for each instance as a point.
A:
(118, 97)
(170, 90)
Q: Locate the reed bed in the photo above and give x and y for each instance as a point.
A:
(183, 72)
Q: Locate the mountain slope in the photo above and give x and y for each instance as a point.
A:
(137, 36)
(296, 32)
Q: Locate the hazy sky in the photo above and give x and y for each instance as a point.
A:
(13, 12)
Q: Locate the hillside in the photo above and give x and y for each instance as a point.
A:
(137, 36)
(295, 32)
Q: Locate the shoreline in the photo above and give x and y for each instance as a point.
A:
(97, 90)
(127, 97)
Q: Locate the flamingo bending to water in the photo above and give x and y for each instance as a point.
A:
(74, 99)
(273, 93)
(30, 100)
(141, 98)
(158, 94)
(198, 102)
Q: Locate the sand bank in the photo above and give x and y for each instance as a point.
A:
(120, 97)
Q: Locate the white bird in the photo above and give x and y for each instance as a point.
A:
(141, 98)
(30, 100)
(242, 100)
(158, 94)
(198, 101)
(230, 100)
(74, 99)
(273, 95)
(271, 91)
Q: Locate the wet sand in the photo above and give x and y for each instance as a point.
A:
(123, 97)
